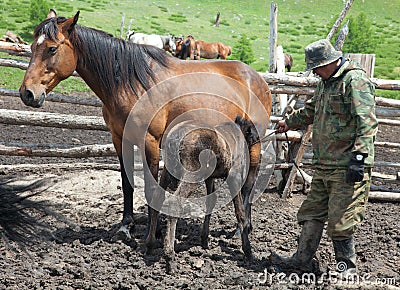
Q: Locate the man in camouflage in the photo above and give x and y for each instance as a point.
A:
(342, 112)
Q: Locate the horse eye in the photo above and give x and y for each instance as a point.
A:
(52, 49)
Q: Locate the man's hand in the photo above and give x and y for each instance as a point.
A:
(355, 169)
(281, 126)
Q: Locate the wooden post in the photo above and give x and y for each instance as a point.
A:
(273, 36)
(121, 30)
(340, 19)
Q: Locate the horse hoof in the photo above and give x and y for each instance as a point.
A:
(204, 245)
(122, 234)
(248, 256)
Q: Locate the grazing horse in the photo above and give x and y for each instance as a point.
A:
(144, 91)
(186, 47)
(288, 61)
(213, 50)
(164, 42)
(228, 150)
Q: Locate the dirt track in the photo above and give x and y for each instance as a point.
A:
(61, 236)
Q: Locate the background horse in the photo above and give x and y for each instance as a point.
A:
(186, 47)
(229, 149)
(143, 91)
(288, 61)
(212, 50)
(164, 42)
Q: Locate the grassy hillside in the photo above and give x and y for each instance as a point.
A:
(300, 22)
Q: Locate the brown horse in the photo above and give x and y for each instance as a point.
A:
(212, 50)
(143, 91)
(187, 47)
(288, 61)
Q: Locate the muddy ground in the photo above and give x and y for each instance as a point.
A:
(56, 228)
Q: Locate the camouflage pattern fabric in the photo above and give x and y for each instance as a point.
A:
(342, 112)
(320, 53)
(331, 199)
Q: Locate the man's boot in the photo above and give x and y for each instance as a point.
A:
(302, 260)
(345, 256)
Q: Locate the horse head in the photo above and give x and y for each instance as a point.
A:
(52, 39)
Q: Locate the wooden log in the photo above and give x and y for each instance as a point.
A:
(385, 102)
(288, 79)
(292, 79)
(388, 145)
(14, 63)
(389, 122)
(7, 169)
(385, 177)
(74, 152)
(21, 64)
(15, 48)
(393, 85)
(340, 19)
(44, 119)
(299, 156)
(384, 196)
(342, 36)
(292, 136)
(290, 90)
(54, 97)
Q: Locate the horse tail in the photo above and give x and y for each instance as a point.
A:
(229, 50)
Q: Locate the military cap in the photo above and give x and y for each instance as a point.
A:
(320, 53)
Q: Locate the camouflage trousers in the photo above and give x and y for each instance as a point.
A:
(333, 200)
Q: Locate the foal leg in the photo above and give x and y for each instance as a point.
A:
(210, 203)
(241, 219)
(169, 243)
(240, 215)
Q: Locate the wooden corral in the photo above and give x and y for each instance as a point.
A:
(293, 84)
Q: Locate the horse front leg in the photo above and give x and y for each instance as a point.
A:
(127, 188)
(154, 194)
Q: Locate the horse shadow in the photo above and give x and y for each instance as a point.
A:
(21, 218)
(19, 214)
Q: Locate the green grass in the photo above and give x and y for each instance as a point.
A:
(299, 23)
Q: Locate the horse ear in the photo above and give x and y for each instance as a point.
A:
(69, 24)
(52, 13)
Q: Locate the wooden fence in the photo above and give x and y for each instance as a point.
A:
(292, 84)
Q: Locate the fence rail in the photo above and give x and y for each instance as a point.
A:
(387, 111)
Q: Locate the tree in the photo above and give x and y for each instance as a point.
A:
(38, 11)
(361, 38)
(243, 51)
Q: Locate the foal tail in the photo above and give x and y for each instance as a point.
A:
(248, 129)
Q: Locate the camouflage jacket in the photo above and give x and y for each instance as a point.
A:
(342, 112)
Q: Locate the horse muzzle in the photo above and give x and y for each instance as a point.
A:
(31, 99)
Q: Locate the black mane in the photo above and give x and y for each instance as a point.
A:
(119, 64)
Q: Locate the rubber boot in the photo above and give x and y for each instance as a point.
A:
(345, 255)
(302, 260)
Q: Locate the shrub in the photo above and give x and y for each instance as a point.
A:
(361, 35)
(243, 51)
(38, 11)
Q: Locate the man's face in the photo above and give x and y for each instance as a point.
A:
(325, 71)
